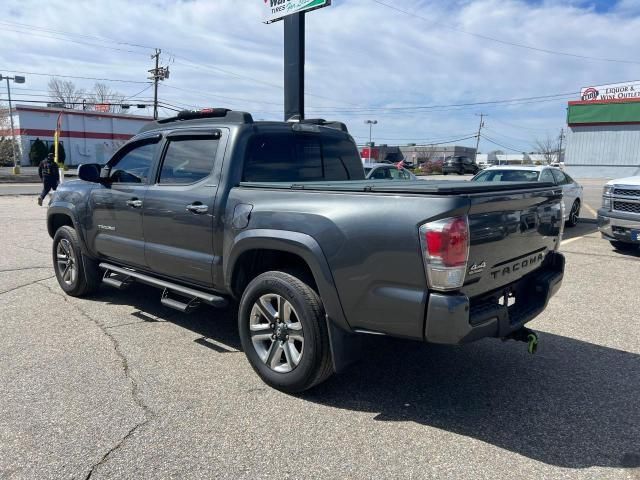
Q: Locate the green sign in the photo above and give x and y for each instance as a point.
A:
(278, 9)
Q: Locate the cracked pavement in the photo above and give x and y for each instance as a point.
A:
(118, 386)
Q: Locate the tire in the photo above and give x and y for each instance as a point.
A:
(623, 246)
(307, 359)
(445, 173)
(81, 275)
(461, 172)
(574, 214)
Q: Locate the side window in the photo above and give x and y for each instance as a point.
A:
(559, 176)
(381, 173)
(188, 161)
(546, 176)
(135, 165)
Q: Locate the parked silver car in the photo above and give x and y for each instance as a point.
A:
(387, 171)
(572, 190)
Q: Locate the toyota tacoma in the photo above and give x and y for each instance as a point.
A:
(212, 207)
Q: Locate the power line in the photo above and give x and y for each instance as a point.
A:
(506, 42)
(501, 145)
(64, 33)
(76, 77)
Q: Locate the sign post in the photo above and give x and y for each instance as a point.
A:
(293, 13)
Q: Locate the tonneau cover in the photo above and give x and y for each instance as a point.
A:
(434, 187)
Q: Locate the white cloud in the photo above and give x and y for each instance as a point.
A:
(359, 54)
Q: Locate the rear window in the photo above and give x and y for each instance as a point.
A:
(507, 176)
(301, 158)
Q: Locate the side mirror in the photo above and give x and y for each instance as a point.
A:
(89, 172)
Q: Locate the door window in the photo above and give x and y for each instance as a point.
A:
(546, 176)
(559, 176)
(188, 161)
(135, 165)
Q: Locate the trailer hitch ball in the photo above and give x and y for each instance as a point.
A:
(527, 336)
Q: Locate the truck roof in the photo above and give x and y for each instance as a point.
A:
(222, 116)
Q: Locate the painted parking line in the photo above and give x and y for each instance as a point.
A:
(591, 210)
(567, 242)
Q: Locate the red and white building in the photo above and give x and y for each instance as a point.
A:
(87, 137)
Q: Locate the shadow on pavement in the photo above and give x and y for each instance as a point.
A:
(580, 230)
(574, 404)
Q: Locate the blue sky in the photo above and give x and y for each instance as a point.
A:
(365, 60)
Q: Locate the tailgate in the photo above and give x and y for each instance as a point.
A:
(511, 235)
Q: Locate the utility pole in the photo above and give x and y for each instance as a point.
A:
(560, 149)
(482, 115)
(16, 151)
(158, 73)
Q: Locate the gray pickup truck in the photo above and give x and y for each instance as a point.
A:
(212, 207)
(619, 217)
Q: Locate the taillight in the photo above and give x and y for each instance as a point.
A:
(445, 246)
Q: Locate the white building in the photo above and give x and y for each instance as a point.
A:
(604, 132)
(87, 137)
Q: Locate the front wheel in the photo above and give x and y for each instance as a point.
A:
(77, 274)
(574, 214)
(284, 332)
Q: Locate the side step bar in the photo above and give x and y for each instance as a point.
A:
(167, 287)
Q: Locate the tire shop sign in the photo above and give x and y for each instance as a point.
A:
(614, 91)
(278, 9)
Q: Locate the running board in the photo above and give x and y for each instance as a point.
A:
(116, 280)
(183, 307)
(213, 300)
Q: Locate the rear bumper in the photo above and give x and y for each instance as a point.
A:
(457, 319)
(618, 226)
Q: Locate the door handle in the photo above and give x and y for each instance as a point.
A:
(197, 208)
(134, 203)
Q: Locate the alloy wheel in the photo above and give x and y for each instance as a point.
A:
(66, 262)
(276, 333)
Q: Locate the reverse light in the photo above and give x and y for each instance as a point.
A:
(445, 247)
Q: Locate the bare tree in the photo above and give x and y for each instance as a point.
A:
(549, 147)
(7, 143)
(103, 94)
(65, 92)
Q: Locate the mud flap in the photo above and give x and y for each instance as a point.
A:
(346, 347)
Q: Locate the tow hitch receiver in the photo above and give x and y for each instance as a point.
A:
(527, 336)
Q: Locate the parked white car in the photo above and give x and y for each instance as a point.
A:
(571, 190)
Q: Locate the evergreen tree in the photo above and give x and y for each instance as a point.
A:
(38, 152)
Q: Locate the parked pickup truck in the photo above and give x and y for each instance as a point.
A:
(212, 207)
(619, 217)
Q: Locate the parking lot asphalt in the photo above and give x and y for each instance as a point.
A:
(118, 386)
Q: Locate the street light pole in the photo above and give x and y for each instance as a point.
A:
(17, 79)
(371, 123)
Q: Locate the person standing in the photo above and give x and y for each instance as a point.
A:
(50, 176)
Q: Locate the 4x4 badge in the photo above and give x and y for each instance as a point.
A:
(477, 268)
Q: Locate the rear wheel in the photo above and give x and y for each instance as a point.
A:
(284, 332)
(574, 214)
(77, 274)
